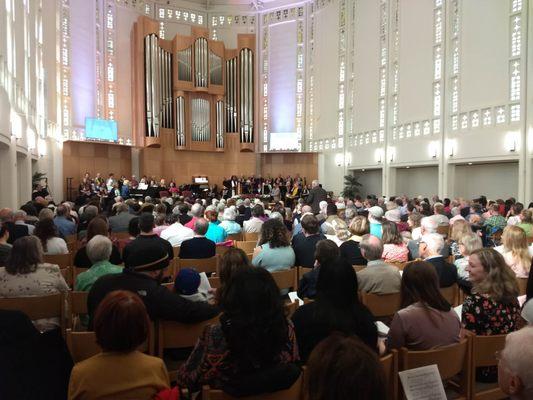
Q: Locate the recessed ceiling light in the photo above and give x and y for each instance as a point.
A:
(469, 163)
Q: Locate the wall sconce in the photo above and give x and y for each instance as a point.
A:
(339, 159)
(378, 156)
(512, 140)
(433, 149)
(450, 147)
(348, 159)
(392, 153)
(41, 147)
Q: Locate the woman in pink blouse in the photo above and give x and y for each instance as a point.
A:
(394, 249)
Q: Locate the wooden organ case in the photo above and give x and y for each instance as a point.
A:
(192, 88)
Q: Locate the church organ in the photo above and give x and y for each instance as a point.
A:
(192, 88)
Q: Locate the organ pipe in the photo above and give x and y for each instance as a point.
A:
(180, 121)
(220, 124)
(246, 75)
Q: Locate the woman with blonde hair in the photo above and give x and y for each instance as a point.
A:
(492, 308)
(515, 251)
(394, 249)
(350, 247)
(458, 229)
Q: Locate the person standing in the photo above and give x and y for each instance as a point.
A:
(316, 195)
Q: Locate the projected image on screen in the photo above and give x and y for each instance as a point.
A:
(101, 129)
(283, 141)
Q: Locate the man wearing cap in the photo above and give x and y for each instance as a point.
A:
(142, 276)
(375, 214)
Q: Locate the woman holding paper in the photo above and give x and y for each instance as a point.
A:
(426, 319)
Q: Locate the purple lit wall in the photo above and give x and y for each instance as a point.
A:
(83, 75)
(282, 77)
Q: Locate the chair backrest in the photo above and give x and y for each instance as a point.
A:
(251, 236)
(390, 367)
(38, 307)
(484, 350)
(62, 260)
(235, 236)
(451, 360)
(381, 305)
(358, 268)
(207, 265)
(67, 274)
(295, 392)
(77, 302)
(82, 345)
(176, 251)
(286, 279)
(451, 294)
(302, 271)
(214, 281)
(221, 250)
(247, 247)
(522, 286)
(72, 242)
(172, 334)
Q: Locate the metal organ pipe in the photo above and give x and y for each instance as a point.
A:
(180, 121)
(246, 95)
(148, 86)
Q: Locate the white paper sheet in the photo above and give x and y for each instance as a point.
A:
(383, 329)
(293, 296)
(205, 286)
(458, 310)
(422, 383)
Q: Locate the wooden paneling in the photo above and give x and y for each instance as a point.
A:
(304, 164)
(81, 157)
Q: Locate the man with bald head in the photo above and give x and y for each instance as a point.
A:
(306, 210)
(377, 277)
(15, 231)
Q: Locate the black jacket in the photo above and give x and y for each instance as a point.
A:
(16, 231)
(304, 248)
(198, 247)
(137, 251)
(316, 195)
(160, 302)
(447, 272)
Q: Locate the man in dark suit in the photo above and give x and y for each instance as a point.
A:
(15, 231)
(316, 195)
(430, 249)
(199, 246)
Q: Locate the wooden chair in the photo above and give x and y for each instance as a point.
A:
(301, 271)
(451, 361)
(236, 237)
(214, 281)
(221, 250)
(38, 307)
(251, 236)
(82, 345)
(207, 265)
(176, 251)
(247, 247)
(295, 392)
(390, 366)
(62, 260)
(522, 286)
(286, 279)
(381, 305)
(67, 274)
(451, 294)
(175, 335)
(483, 355)
(77, 302)
(358, 268)
(72, 243)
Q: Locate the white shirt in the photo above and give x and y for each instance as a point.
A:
(56, 245)
(514, 220)
(252, 225)
(177, 233)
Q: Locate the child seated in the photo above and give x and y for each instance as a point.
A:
(187, 283)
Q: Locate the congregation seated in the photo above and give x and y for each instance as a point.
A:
(492, 308)
(252, 349)
(144, 276)
(495, 221)
(439, 214)
(25, 274)
(121, 325)
(5, 247)
(350, 248)
(427, 225)
(304, 243)
(342, 367)
(176, 233)
(199, 246)
(20, 217)
(215, 232)
(336, 309)
(394, 249)
(332, 219)
(48, 234)
(526, 222)
(97, 226)
(197, 211)
(325, 252)
(274, 251)
(228, 224)
(98, 251)
(515, 250)
(458, 229)
(425, 320)
(64, 225)
(253, 225)
(135, 252)
(378, 277)
(515, 365)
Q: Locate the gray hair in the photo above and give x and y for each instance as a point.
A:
(518, 353)
(471, 242)
(20, 214)
(276, 215)
(45, 213)
(372, 247)
(229, 214)
(429, 224)
(350, 213)
(197, 210)
(434, 242)
(200, 226)
(91, 211)
(99, 248)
